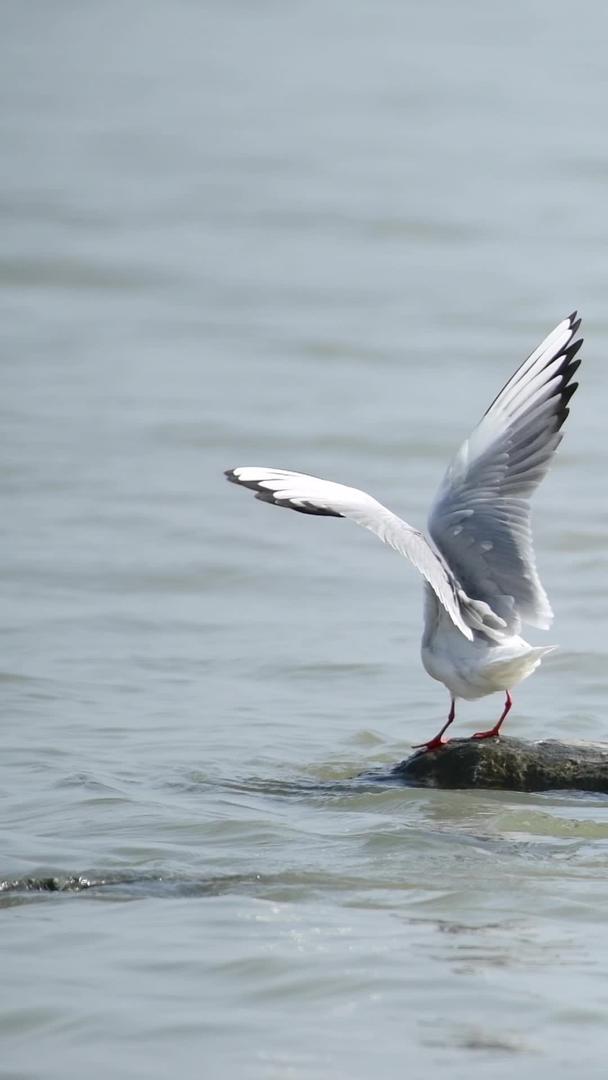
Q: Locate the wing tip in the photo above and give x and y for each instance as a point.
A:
(266, 494)
(234, 477)
(575, 321)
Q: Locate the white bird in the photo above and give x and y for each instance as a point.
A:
(477, 557)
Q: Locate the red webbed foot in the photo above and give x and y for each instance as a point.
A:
(433, 744)
(438, 741)
(494, 732)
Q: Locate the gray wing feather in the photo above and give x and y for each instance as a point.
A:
(310, 495)
(480, 520)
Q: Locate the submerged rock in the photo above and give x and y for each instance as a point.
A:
(511, 764)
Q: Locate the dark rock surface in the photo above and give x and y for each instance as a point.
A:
(511, 764)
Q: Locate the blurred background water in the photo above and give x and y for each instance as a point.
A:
(316, 236)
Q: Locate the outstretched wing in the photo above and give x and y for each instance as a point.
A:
(480, 520)
(309, 495)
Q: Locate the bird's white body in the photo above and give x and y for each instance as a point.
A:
(473, 669)
(477, 559)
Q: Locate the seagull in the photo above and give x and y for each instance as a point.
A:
(476, 558)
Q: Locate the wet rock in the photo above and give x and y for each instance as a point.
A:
(511, 764)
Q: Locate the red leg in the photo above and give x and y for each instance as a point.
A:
(438, 741)
(497, 726)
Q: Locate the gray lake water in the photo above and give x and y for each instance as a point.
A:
(316, 236)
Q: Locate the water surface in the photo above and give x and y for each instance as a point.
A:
(318, 237)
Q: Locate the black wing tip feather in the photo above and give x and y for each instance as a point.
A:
(570, 363)
(265, 495)
(567, 354)
(565, 388)
(305, 508)
(566, 369)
